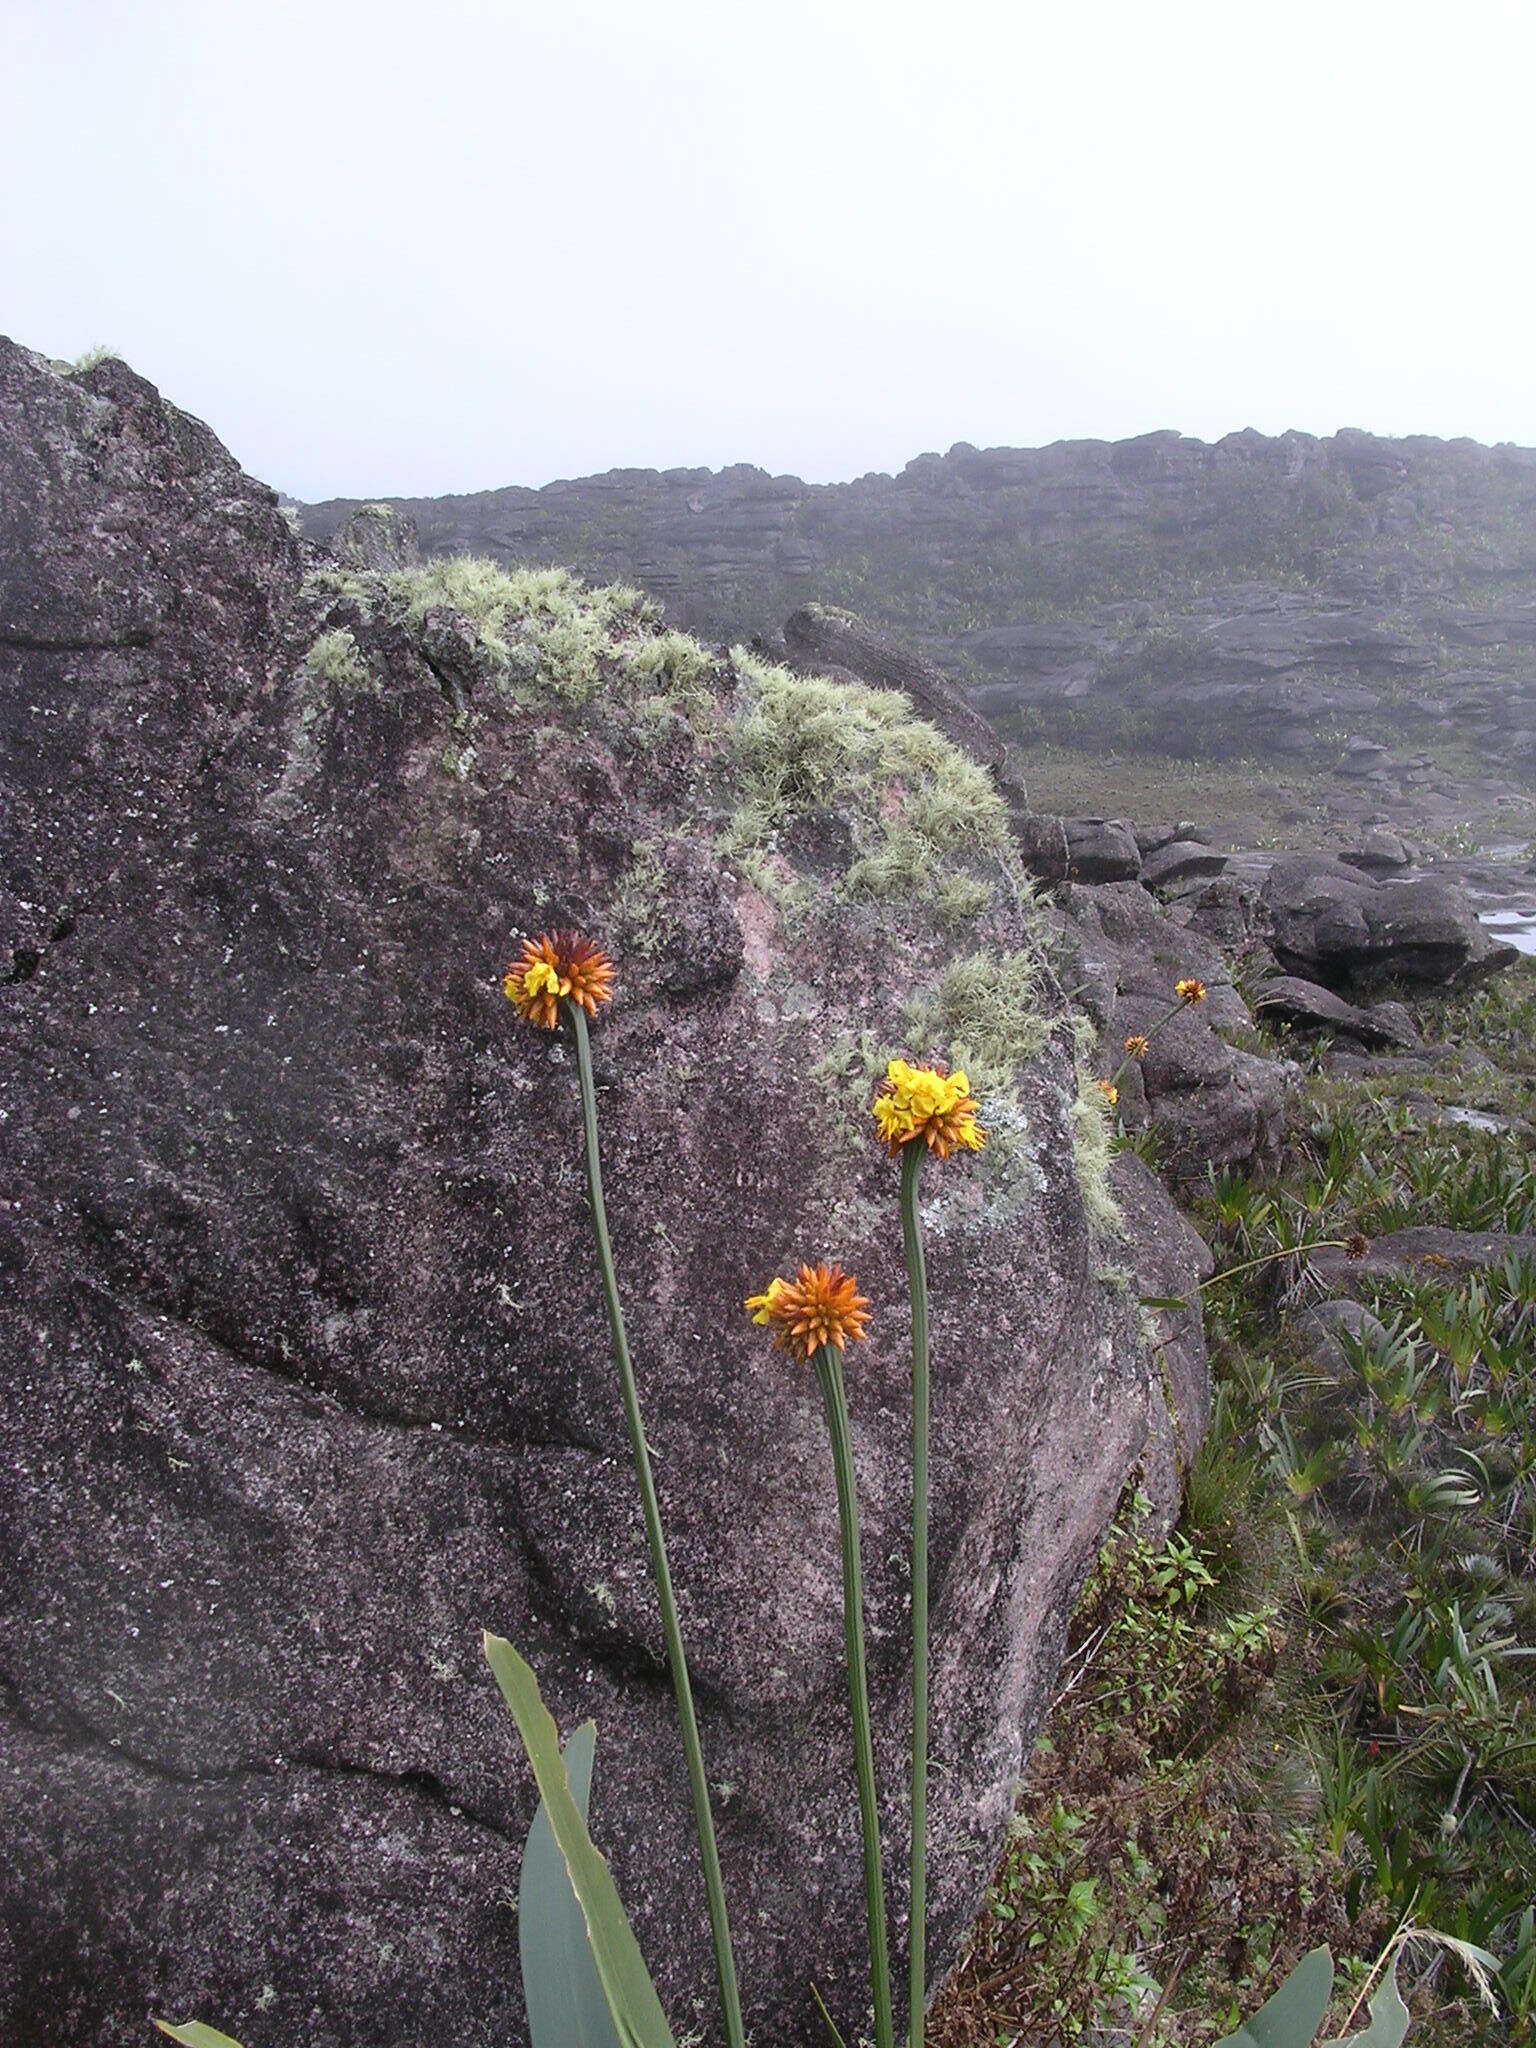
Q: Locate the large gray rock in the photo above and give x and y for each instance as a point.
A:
(1101, 850)
(1309, 1007)
(304, 1363)
(1331, 923)
(1180, 861)
(1425, 1252)
(1212, 1104)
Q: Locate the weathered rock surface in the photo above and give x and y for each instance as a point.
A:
(1326, 1324)
(1211, 1103)
(1331, 923)
(1180, 861)
(1101, 850)
(304, 1362)
(1309, 1007)
(1427, 1252)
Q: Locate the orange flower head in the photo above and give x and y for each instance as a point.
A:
(1190, 990)
(930, 1104)
(558, 967)
(822, 1306)
(1109, 1091)
(1136, 1045)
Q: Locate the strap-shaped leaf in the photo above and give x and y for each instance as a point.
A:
(1389, 2017)
(636, 2010)
(1293, 2015)
(561, 1987)
(193, 2034)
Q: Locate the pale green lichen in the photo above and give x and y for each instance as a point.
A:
(986, 1014)
(638, 910)
(1091, 1154)
(336, 659)
(922, 813)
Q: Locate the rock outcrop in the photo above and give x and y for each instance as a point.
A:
(1251, 596)
(1333, 923)
(306, 1376)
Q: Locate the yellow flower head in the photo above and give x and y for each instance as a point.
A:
(1190, 990)
(822, 1306)
(927, 1103)
(1109, 1091)
(1136, 1045)
(558, 967)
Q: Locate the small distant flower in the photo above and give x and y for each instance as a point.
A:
(1356, 1245)
(558, 967)
(927, 1103)
(1109, 1091)
(1136, 1045)
(1190, 990)
(822, 1306)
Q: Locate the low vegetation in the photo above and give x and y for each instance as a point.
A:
(1310, 1715)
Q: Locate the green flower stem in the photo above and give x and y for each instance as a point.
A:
(725, 1964)
(1130, 1058)
(829, 1373)
(917, 1282)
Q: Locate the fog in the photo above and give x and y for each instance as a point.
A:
(393, 248)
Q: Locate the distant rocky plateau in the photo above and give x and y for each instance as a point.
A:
(1253, 597)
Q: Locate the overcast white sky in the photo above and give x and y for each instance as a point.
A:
(426, 247)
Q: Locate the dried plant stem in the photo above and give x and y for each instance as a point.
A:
(829, 1373)
(725, 1964)
(917, 1283)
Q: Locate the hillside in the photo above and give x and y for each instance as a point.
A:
(1258, 595)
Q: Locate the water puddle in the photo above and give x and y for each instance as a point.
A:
(1516, 928)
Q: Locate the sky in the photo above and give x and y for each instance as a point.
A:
(393, 248)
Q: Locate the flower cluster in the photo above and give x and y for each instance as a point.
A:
(927, 1103)
(1136, 1045)
(558, 967)
(1109, 1091)
(822, 1306)
(1190, 990)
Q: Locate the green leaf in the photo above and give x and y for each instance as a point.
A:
(1163, 1301)
(561, 1988)
(626, 1982)
(193, 2034)
(1389, 2017)
(1293, 2015)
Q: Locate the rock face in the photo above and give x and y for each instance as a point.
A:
(306, 1377)
(1249, 596)
(1308, 1007)
(1211, 1103)
(1330, 922)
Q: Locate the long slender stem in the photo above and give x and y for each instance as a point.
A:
(725, 1964)
(917, 1283)
(829, 1371)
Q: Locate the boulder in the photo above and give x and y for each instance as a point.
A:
(1326, 1324)
(1180, 861)
(1331, 923)
(306, 1371)
(1308, 1007)
(1042, 844)
(1426, 1252)
(1101, 850)
(1211, 1103)
(378, 537)
(1380, 851)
